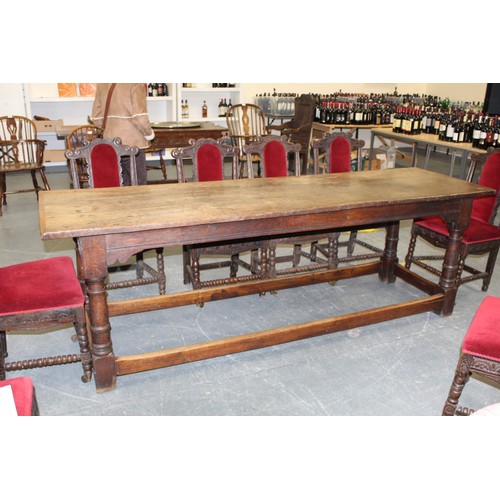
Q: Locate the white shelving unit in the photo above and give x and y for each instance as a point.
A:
(42, 99)
(212, 96)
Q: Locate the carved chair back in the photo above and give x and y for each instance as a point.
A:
(208, 156)
(276, 155)
(337, 147)
(102, 159)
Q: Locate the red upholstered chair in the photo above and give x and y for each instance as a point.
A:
(336, 149)
(102, 159)
(480, 353)
(24, 396)
(482, 236)
(38, 295)
(278, 157)
(299, 129)
(208, 156)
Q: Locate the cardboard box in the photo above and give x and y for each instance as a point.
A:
(47, 125)
(54, 155)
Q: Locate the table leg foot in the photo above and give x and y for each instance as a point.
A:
(105, 373)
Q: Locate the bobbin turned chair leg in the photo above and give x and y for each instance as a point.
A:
(462, 375)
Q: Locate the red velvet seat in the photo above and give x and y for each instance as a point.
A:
(482, 236)
(208, 156)
(480, 353)
(24, 396)
(37, 295)
(102, 159)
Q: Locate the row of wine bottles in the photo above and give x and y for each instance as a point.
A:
(482, 131)
(354, 113)
(157, 90)
(222, 108)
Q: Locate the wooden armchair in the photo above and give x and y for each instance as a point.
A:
(102, 160)
(207, 156)
(299, 129)
(482, 236)
(246, 122)
(20, 151)
(77, 138)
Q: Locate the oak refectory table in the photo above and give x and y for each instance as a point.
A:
(110, 225)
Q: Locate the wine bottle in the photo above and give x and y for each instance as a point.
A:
(204, 110)
(476, 133)
(489, 132)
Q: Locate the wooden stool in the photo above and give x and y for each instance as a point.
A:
(480, 353)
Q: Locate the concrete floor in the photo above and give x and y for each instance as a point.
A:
(398, 368)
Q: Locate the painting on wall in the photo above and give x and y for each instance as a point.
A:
(76, 89)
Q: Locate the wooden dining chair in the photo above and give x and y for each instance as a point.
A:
(208, 161)
(102, 160)
(39, 295)
(482, 235)
(332, 154)
(278, 157)
(20, 151)
(246, 122)
(299, 128)
(77, 138)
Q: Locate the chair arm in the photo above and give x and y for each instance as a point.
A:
(7, 148)
(302, 128)
(280, 127)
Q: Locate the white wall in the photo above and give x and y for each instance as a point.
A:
(455, 91)
(12, 99)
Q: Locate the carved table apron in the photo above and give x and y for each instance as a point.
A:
(110, 225)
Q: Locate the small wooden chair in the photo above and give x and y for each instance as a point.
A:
(207, 156)
(480, 354)
(102, 160)
(20, 151)
(482, 236)
(42, 294)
